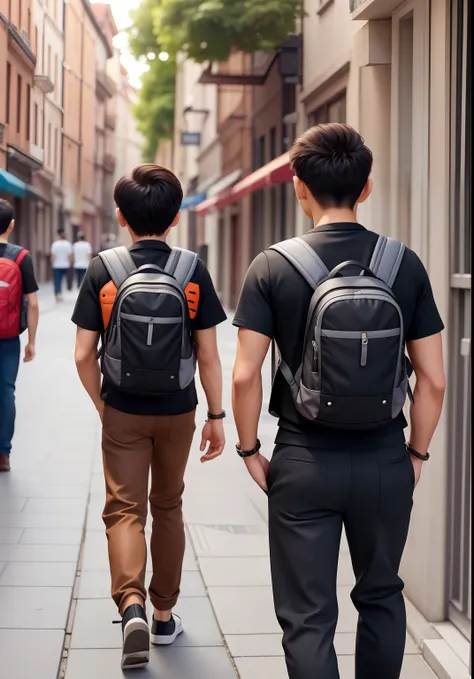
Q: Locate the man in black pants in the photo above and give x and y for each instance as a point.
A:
(320, 479)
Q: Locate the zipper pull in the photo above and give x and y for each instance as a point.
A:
(364, 349)
(315, 356)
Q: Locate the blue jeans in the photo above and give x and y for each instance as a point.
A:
(58, 277)
(9, 364)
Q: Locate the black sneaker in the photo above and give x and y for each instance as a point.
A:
(166, 633)
(136, 638)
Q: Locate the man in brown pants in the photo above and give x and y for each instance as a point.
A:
(152, 430)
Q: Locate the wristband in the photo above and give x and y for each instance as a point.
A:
(248, 453)
(415, 453)
(221, 415)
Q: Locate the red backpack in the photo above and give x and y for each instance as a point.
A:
(12, 300)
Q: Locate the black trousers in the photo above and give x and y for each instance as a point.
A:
(312, 495)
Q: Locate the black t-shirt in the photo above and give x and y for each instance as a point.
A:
(27, 272)
(88, 315)
(275, 301)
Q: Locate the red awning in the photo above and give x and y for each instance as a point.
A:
(277, 171)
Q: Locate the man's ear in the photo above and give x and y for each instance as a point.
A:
(121, 219)
(175, 221)
(11, 226)
(366, 191)
(301, 189)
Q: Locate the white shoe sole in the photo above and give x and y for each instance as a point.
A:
(136, 645)
(160, 640)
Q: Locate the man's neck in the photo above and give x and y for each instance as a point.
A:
(138, 239)
(335, 216)
(4, 240)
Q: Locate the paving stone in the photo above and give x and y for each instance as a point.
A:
(228, 572)
(172, 663)
(26, 655)
(52, 536)
(257, 668)
(38, 574)
(47, 505)
(47, 490)
(34, 607)
(223, 542)
(96, 585)
(2, 566)
(244, 610)
(93, 624)
(222, 507)
(53, 520)
(10, 536)
(95, 557)
(33, 553)
(11, 505)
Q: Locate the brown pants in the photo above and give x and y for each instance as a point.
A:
(132, 445)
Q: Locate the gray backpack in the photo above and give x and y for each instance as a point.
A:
(147, 348)
(354, 373)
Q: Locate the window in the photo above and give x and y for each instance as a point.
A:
(9, 84)
(55, 160)
(28, 111)
(50, 74)
(261, 151)
(19, 85)
(29, 24)
(273, 143)
(35, 126)
(49, 144)
(332, 112)
(56, 83)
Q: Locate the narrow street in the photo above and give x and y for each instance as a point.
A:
(55, 611)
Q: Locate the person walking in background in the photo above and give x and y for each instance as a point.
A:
(163, 319)
(18, 311)
(341, 459)
(82, 254)
(61, 261)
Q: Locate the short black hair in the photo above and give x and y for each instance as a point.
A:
(334, 163)
(149, 199)
(7, 214)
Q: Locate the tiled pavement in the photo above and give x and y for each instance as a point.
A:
(226, 599)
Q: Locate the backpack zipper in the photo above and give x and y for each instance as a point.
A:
(315, 356)
(364, 349)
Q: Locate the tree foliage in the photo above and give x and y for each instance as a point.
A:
(155, 108)
(211, 30)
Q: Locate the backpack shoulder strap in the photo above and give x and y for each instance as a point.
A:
(15, 253)
(119, 264)
(304, 259)
(181, 265)
(386, 260)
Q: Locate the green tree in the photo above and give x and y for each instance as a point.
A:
(155, 108)
(211, 30)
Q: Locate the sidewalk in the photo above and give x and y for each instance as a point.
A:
(226, 601)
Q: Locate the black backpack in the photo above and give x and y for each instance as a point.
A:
(147, 348)
(354, 373)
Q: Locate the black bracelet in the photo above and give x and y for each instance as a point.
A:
(415, 453)
(221, 415)
(248, 453)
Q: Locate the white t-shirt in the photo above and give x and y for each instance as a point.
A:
(82, 254)
(61, 249)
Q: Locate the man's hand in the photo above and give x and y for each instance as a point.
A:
(257, 467)
(30, 353)
(417, 468)
(212, 433)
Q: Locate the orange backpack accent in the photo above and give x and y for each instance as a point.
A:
(109, 292)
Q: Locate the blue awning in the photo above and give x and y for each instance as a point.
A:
(11, 184)
(192, 200)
